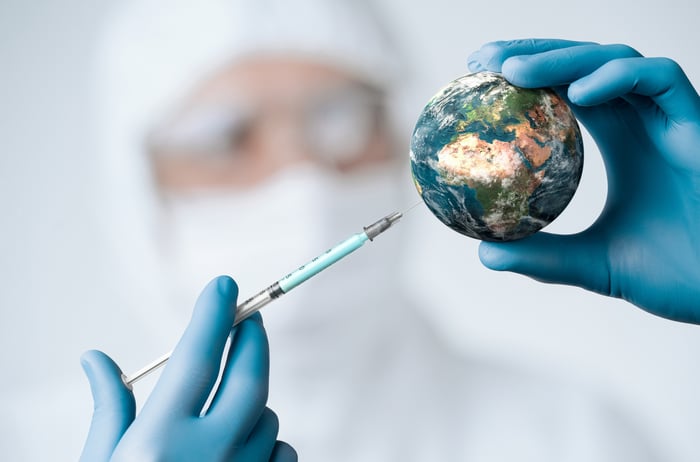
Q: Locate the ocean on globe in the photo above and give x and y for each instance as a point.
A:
(494, 161)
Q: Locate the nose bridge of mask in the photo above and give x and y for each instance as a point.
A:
(339, 125)
(280, 134)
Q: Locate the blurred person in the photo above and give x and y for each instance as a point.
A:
(242, 138)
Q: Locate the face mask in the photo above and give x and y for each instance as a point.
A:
(259, 235)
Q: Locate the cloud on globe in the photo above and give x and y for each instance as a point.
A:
(494, 161)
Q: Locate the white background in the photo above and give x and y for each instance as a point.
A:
(53, 266)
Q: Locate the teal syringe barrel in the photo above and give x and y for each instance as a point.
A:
(322, 262)
(301, 274)
(290, 281)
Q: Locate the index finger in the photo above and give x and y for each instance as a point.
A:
(562, 67)
(194, 365)
(661, 79)
(490, 56)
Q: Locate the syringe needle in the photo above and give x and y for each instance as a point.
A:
(290, 281)
(412, 207)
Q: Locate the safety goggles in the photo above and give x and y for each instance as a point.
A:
(334, 125)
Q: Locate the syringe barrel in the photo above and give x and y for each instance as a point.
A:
(323, 261)
(293, 279)
(253, 304)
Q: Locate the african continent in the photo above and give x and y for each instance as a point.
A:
(494, 161)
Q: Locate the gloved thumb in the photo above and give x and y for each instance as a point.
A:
(572, 260)
(283, 452)
(114, 406)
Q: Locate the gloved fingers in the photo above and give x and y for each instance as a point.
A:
(562, 66)
(559, 68)
(490, 56)
(194, 365)
(283, 452)
(642, 104)
(263, 437)
(243, 390)
(660, 79)
(573, 260)
(114, 406)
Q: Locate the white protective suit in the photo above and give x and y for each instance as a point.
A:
(357, 374)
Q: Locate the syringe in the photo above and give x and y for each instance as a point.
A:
(290, 281)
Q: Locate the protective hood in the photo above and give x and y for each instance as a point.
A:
(154, 53)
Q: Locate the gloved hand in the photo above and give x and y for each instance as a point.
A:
(644, 115)
(237, 425)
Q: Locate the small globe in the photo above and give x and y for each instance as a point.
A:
(494, 161)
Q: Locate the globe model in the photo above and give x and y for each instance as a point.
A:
(494, 161)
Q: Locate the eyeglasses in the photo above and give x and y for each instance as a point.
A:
(334, 125)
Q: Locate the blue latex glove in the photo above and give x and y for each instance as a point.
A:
(237, 425)
(644, 115)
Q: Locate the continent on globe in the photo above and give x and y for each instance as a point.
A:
(494, 161)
